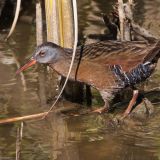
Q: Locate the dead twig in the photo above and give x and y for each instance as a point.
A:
(156, 89)
(15, 18)
(125, 18)
(19, 141)
(22, 118)
(121, 18)
(37, 115)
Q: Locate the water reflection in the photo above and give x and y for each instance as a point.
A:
(61, 137)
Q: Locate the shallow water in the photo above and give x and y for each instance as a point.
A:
(65, 137)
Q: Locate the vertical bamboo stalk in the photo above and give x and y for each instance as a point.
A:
(41, 68)
(67, 18)
(73, 90)
(39, 24)
(60, 29)
(53, 34)
(121, 18)
(52, 21)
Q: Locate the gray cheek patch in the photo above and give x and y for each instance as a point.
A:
(136, 75)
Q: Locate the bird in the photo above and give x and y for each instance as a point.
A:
(108, 66)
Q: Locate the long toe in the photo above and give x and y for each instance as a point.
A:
(100, 110)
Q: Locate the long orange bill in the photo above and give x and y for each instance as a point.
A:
(27, 65)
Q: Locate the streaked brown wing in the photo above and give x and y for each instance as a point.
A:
(97, 75)
(126, 54)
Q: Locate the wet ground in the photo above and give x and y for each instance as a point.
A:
(64, 137)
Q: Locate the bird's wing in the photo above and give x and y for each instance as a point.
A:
(99, 76)
(126, 54)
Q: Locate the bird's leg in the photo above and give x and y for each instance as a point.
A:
(88, 95)
(105, 108)
(131, 103)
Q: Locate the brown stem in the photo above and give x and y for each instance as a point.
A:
(36, 116)
(121, 18)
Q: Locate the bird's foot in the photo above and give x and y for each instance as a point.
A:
(100, 110)
(125, 114)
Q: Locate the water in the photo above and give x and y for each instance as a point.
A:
(64, 137)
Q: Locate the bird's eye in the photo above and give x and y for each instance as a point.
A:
(42, 54)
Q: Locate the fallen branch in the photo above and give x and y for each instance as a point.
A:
(138, 30)
(156, 89)
(23, 118)
(36, 116)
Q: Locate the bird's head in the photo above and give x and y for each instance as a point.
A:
(45, 53)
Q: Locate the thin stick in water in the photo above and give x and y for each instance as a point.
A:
(19, 141)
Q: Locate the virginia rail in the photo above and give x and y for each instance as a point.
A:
(108, 66)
